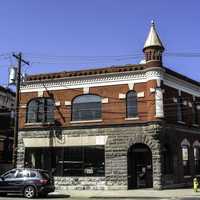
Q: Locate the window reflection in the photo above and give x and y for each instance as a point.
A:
(68, 161)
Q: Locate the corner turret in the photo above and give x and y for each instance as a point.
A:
(153, 47)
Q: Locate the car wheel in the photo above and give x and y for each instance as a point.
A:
(29, 192)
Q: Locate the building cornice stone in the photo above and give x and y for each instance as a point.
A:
(94, 81)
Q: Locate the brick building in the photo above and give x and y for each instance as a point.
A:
(120, 127)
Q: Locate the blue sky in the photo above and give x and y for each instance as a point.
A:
(65, 35)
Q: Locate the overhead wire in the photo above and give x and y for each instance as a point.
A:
(38, 59)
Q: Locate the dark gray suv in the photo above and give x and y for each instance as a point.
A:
(29, 182)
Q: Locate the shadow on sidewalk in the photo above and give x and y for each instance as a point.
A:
(56, 196)
(50, 196)
(131, 197)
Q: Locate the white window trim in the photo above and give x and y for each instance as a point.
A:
(187, 176)
(132, 118)
(180, 122)
(86, 121)
(195, 125)
(38, 123)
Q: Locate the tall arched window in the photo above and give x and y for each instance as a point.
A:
(131, 104)
(196, 149)
(185, 145)
(86, 107)
(40, 110)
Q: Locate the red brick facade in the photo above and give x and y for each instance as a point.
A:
(113, 112)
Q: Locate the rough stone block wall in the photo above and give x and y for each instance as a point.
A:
(116, 150)
(80, 183)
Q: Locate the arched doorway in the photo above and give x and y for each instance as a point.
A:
(139, 166)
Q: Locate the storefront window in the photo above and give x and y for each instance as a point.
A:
(68, 161)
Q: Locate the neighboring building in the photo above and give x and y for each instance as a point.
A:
(117, 127)
(7, 101)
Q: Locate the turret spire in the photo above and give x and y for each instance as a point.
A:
(153, 46)
(153, 38)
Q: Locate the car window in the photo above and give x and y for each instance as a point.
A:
(23, 173)
(33, 174)
(45, 174)
(19, 175)
(10, 174)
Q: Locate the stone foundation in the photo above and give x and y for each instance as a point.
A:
(79, 183)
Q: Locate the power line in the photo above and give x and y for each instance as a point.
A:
(38, 59)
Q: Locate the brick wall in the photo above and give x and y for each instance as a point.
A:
(113, 112)
(170, 106)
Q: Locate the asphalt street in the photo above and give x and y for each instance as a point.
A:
(66, 197)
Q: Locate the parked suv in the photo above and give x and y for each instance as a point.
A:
(29, 182)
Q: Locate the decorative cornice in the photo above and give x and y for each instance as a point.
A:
(96, 80)
(116, 78)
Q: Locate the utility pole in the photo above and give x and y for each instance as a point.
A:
(17, 101)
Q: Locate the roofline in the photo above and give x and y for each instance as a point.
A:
(7, 90)
(103, 70)
(181, 76)
(86, 72)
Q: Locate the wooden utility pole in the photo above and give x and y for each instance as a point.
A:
(17, 102)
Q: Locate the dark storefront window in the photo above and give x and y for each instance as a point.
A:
(131, 104)
(197, 160)
(167, 157)
(68, 161)
(86, 107)
(40, 110)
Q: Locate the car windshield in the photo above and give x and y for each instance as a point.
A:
(10, 174)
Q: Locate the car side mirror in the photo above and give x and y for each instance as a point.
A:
(2, 178)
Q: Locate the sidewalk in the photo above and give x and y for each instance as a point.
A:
(138, 193)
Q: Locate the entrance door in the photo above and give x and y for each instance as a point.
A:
(139, 166)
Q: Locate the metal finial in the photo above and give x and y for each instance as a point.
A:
(152, 22)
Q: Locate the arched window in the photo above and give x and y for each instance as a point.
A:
(40, 110)
(131, 104)
(196, 149)
(185, 145)
(86, 107)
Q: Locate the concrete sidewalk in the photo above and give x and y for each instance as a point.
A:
(138, 193)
